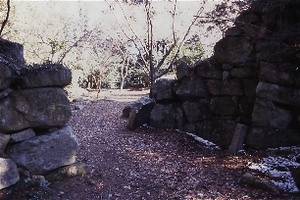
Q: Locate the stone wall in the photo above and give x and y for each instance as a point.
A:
(34, 111)
(253, 78)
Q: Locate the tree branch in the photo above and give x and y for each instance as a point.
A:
(6, 18)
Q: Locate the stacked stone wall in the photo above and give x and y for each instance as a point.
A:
(252, 79)
(34, 111)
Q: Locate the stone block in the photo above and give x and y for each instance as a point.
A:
(279, 94)
(167, 117)
(163, 90)
(196, 111)
(42, 154)
(48, 75)
(6, 76)
(4, 139)
(32, 108)
(223, 131)
(209, 68)
(238, 138)
(192, 87)
(282, 74)
(183, 70)
(225, 106)
(22, 135)
(140, 113)
(274, 52)
(232, 87)
(9, 174)
(266, 114)
(262, 138)
(233, 50)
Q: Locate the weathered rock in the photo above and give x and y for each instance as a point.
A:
(209, 68)
(140, 113)
(258, 182)
(278, 73)
(238, 138)
(196, 111)
(204, 129)
(33, 108)
(166, 117)
(233, 50)
(266, 114)
(45, 153)
(226, 105)
(225, 87)
(11, 52)
(143, 100)
(22, 135)
(247, 18)
(163, 90)
(183, 70)
(243, 72)
(233, 32)
(5, 93)
(261, 138)
(9, 174)
(279, 94)
(222, 133)
(4, 139)
(52, 75)
(274, 52)
(192, 87)
(6, 76)
(76, 169)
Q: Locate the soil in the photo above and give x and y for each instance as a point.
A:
(144, 164)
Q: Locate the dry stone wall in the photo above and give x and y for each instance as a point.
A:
(34, 110)
(253, 80)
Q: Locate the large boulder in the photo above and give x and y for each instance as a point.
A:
(265, 137)
(278, 73)
(11, 52)
(4, 139)
(9, 174)
(48, 75)
(225, 105)
(233, 50)
(196, 111)
(11, 62)
(279, 94)
(44, 153)
(209, 68)
(192, 87)
(34, 108)
(275, 52)
(166, 116)
(183, 70)
(139, 112)
(6, 76)
(266, 114)
(163, 90)
(225, 87)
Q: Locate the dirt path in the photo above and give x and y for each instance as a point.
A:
(143, 164)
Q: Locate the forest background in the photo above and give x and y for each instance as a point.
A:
(117, 44)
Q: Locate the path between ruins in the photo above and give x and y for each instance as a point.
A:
(143, 164)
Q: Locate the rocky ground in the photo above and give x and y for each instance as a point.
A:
(145, 163)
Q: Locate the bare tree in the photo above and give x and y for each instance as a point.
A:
(155, 65)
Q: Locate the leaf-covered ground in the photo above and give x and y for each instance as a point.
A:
(145, 164)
